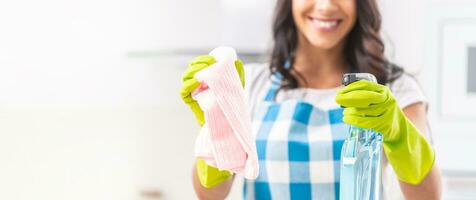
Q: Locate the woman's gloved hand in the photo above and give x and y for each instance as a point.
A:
(372, 106)
(209, 176)
(190, 83)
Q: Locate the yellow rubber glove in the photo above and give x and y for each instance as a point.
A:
(209, 176)
(372, 106)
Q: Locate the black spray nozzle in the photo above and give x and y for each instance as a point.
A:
(349, 78)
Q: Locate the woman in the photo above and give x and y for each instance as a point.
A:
(296, 106)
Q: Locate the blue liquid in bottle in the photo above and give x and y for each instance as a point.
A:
(360, 174)
(360, 177)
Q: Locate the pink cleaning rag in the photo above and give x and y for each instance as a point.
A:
(225, 140)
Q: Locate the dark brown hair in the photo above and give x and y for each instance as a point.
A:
(364, 49)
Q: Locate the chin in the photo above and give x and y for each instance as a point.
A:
(325, 44)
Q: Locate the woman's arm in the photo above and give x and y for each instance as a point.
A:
(430, 187)
(218, 192)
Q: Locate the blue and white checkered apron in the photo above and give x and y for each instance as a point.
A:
(299, 147)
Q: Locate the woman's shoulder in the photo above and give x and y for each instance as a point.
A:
(257, 76)
(256, 71)
(257, 81)
(407, 90)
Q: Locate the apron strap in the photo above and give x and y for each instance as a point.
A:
(273, 89)
(275, 83)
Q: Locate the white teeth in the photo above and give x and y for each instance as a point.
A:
(325, 24)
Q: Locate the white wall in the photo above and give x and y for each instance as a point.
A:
(413, 29)
(402, 31)
(78, 118)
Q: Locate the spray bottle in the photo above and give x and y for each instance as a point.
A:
(360, 171)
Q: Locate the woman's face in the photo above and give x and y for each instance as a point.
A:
(324, 23)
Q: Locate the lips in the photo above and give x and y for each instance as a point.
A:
(325, 25)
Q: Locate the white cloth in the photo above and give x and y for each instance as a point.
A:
(226, 140)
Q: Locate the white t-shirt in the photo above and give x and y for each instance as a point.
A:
(405, 89)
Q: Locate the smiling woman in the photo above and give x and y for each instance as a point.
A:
(295, 102)
(352, 27)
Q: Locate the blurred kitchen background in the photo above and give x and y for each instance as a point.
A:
(89, 103)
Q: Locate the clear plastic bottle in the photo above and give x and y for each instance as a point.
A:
(360, 174)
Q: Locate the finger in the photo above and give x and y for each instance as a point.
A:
(365, 112)
(360, 98)
(202, 59)
(196, 65)
(375, 124)
(197, 111)
(362, 122)
(187, 87)
(241, 71)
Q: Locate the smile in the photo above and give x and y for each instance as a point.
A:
(325, 25)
